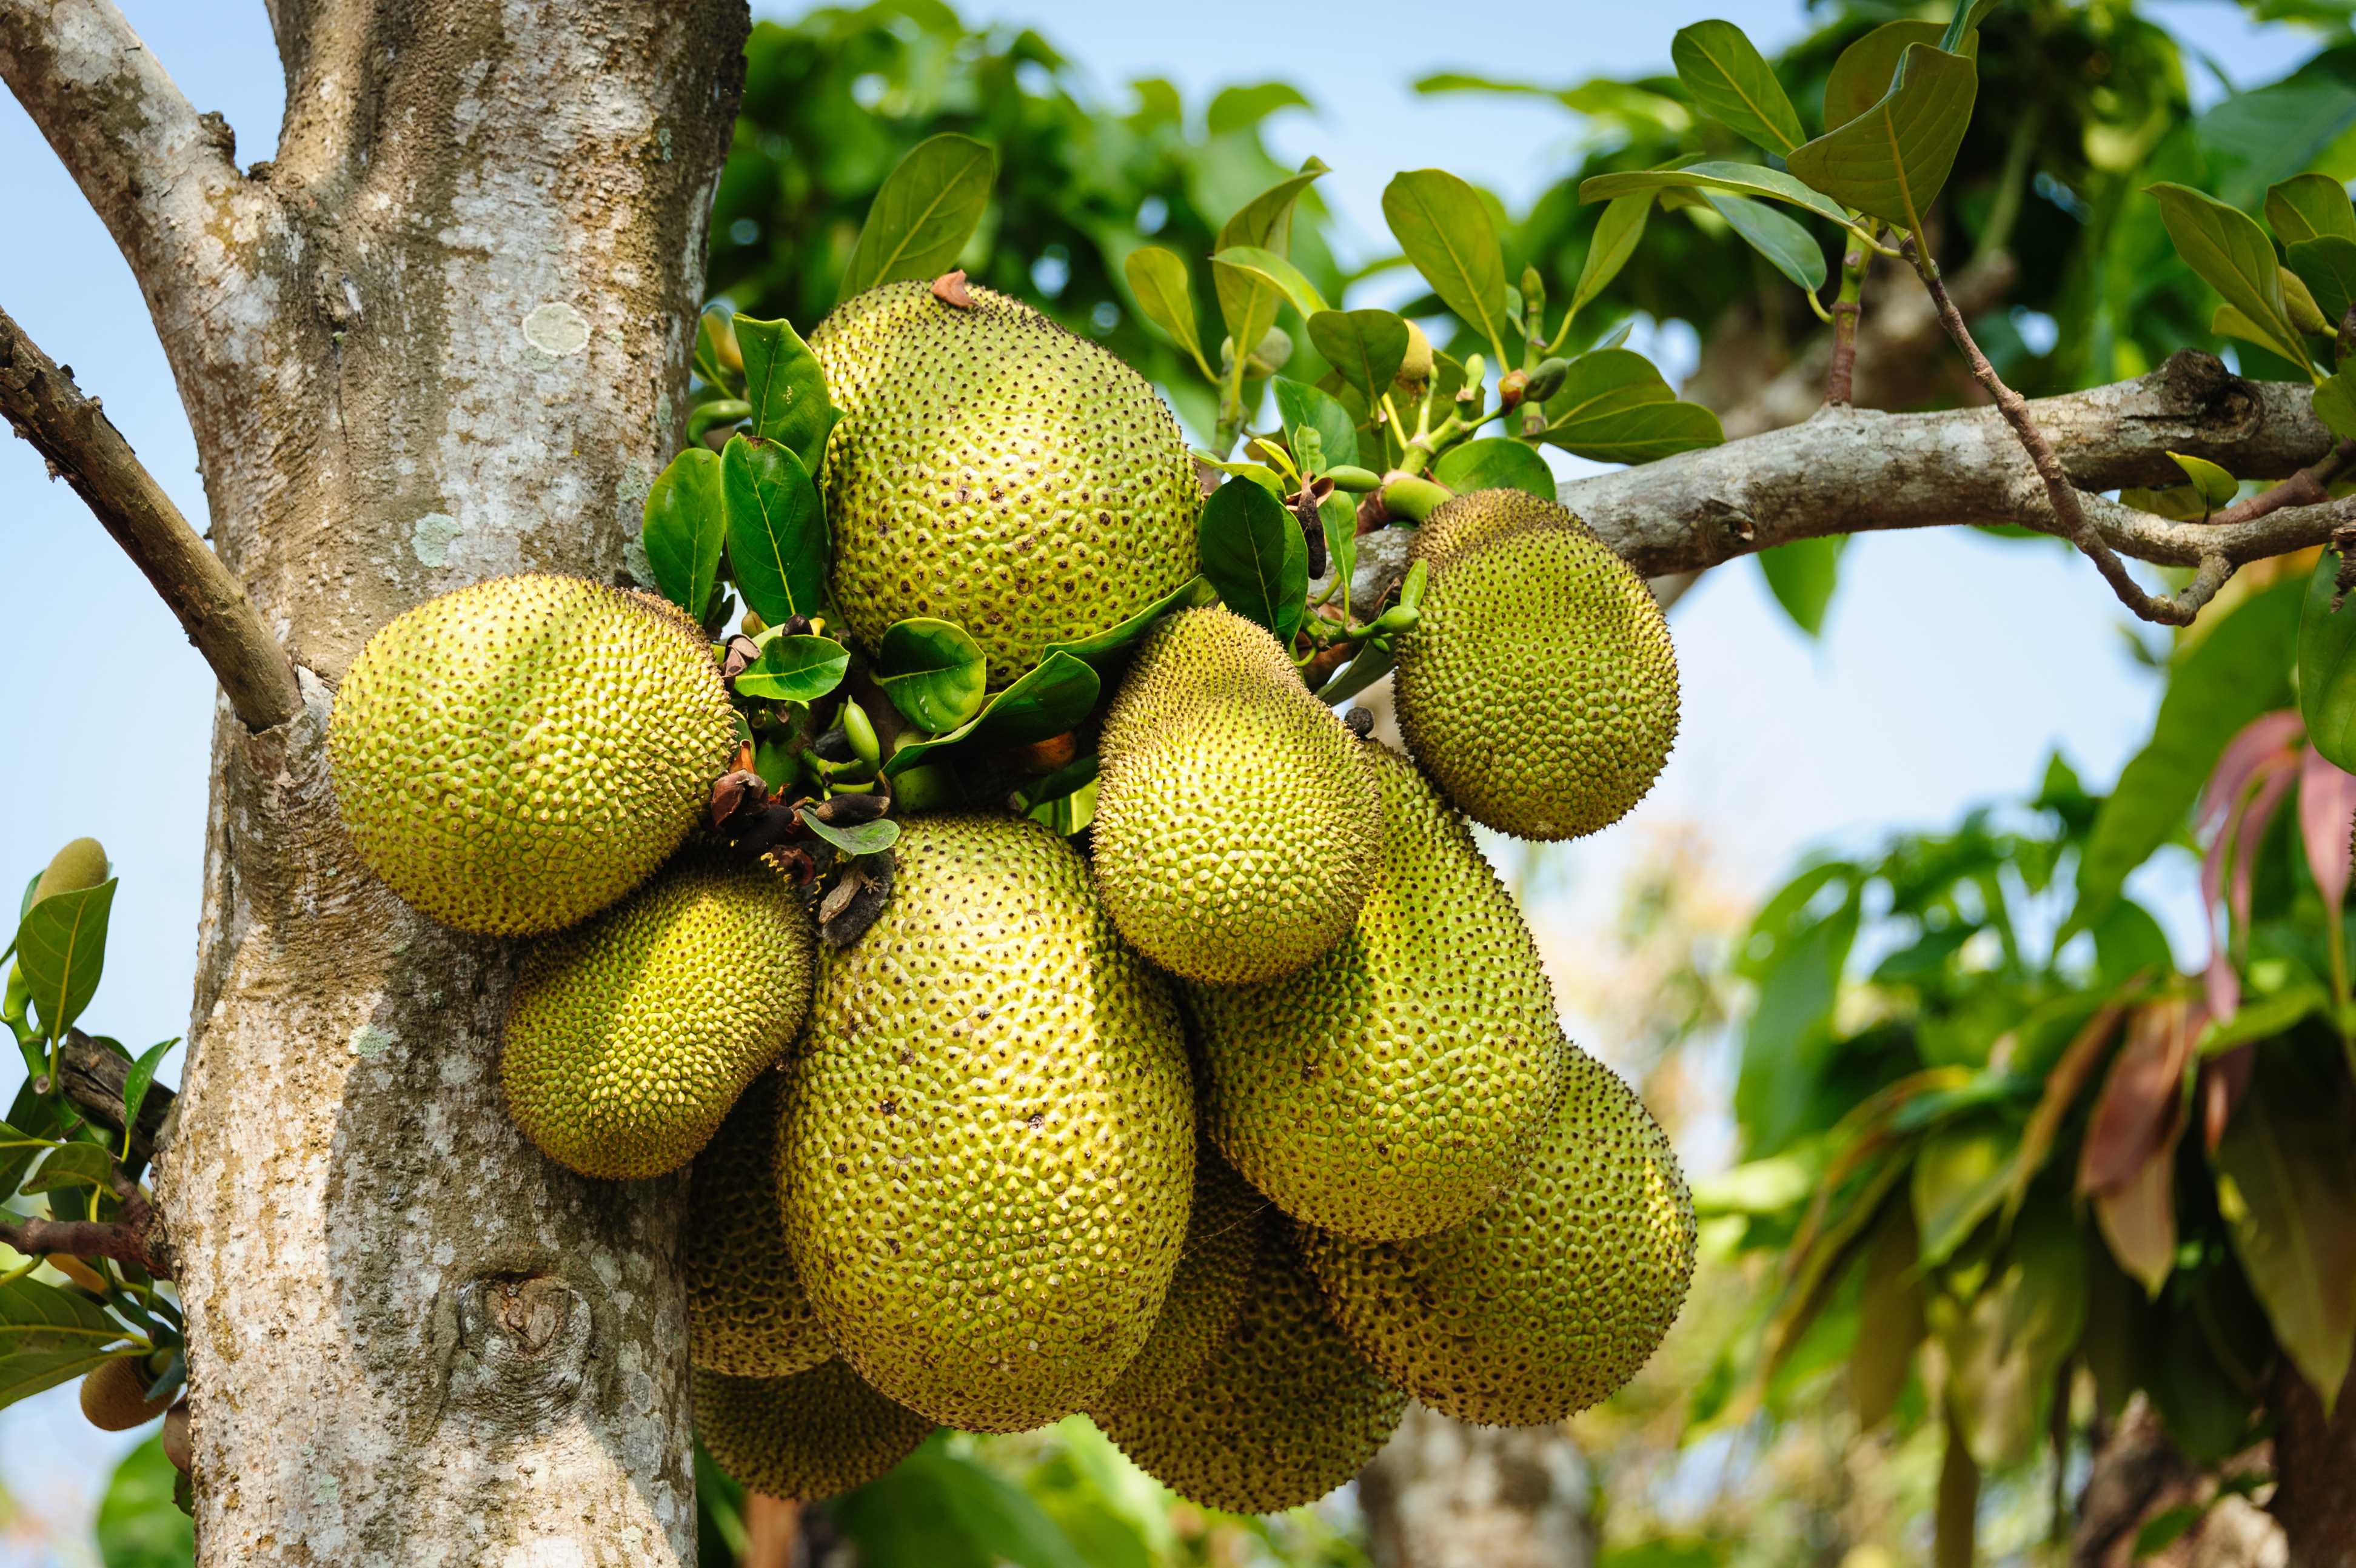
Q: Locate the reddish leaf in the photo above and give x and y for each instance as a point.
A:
(2223, 1080)
(2234, 845)
(2326, 804)
(2138, 1217)
(2138, 1104)
(2268, 736)
(2062, 1085)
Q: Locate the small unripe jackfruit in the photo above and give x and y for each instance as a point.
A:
(1236, 827)
(747, 1315)
(1550, 1299)
(1207, 1294)
(515, 755)
(993, 469)
(631, 1037)
(81, 864)
(113, 1397)
(1538, 686)
(808, 1436)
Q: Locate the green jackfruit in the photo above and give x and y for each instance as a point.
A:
(513, 756)
(1237, 829)
(747, 1315)
(993, 469)
(1550, 1299)
(1207, 1294)
(811, 1435)
(81, 864)
(1285, 1410)
(631, 1037)
(1400, 1083)
(1538, 686)
(987, 1146)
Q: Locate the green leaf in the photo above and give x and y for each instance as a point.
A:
(28, 1372)
(2287, 1187)
(927, 210)
(1098, 650)
(1158, 279)
(1615, 408)
(2217, 486)
(2229, 322)
(137, 1080)
(2242, 668)
(786, 389)
(1802, 575)
(1960, 1176)
(139, 1523)
(714, 328)
(1789, 248)
(1495, 463)
(1366, 347)
(1788, 1039)
(862, 838)
(706, 416)
(934, 671)
(1266, 221)
(1444, 227)
(1889, 1320)
(1742, 180)
(2178, 503)
(2005, 1344)
(795, 668)
(1248, 301)
(60, 949)
(1860, 78)
(75, 1165)
(2232, 255)
(1337, 518)
(38, 1316)
(1300, 405)
(2327, 668)
(1288, 279)
(777, 530)
(1252, 552)
(1073, 776)
(685, 527)
(1616, 233)
(1967, 18)
(1892, 160)
(1723, 70)
(2309, 207)
(1048, 701)
(2326, 266)
(938, 1512)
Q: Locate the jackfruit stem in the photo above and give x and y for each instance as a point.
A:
(1412, 496)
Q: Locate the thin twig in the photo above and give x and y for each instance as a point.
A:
(2310, 485)
(85, 448)
(1846, 312)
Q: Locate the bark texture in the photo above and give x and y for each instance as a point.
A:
(1443, 1494)
(442, 337)
(2315, 1463)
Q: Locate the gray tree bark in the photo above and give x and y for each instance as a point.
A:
(1443, 1494)
(445, 335)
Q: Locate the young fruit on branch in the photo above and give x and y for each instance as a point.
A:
(809, 1435)
(114, 1397)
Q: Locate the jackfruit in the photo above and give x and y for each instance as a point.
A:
(81, 864)
(1539, 685)
(993, 469)
(988, 1144)
(1207, 1294)
(1550, 1299)
(1285, 1410)
(1400, 1083)
(515, 755)
(114, 1398)
(1237, 829)
(809, 1435)
(631, 1037)
(747, 1315)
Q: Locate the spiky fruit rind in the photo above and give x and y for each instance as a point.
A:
(515, 755)
(811, 1435)
(113, 1397)
(1285, 1410)
(993, 469)
(1550, 1299)
(1539, 685)
(631, 1037)
(1400, 1083)
(747, 1315)
(1237, 829)
(1207, 1294)
(987, 1147)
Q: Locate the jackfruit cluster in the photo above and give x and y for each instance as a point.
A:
(1237, 828)
(995, 469)
(747, 1315)
(1207, 1292)
(809, 1435)
(1538, 684)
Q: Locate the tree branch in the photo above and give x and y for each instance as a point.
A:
(83, 448)
(82, 1239)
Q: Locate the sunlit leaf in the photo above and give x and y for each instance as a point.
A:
(1166, 294)
(1730, 81)
(933, 670)
(1253, 554)
(1495, 463)
(1892, 160)
(1266, 221)
(2217, 486)
(795, 668)
(1960, 1176)
(926, 210)
(1113, 639)
(28, 1373)
(1288, 279)
(35, 1316)
(1366, 347)
(685, 527)
(1860, 78)
(1802, 575)
(786, 389)
(1445, 228)
(2232, 255)
(1047, 700)
(1742, 180)
(2310, 206)
(1614, 407)
(1616, 234)
(777, 530)
(2327, 265)
(1299, 406)
(60, 951)
(1248, 301)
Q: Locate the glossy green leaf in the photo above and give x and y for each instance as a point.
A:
(1337, 518)
(1266, 221)
(1967, 18)
(777, 530)
(2327, 667)
(2004, 1345)
(1495, 463)
(1366, 347)
(860, 838)
(2327, 265)
(140, 1524)
(1614, 241)
(23, 1137)
(1444, 227)
(2231, 254)
(934, 1511)
(2217, 486)
(1114, 640)
(1892, 160)
(1960, 1176)
(705, 417)
(1860, 78)
(1742, 180)
(1165, 294)
(934, 671)
(1074, 776)
(1889, 1320)
(60, 950)
(921, 217)
(2287, 1187)
(2228, 321)
(1731, 82)
(28, 1373)
(795, 668)
(38, 1316)
(1248, 301)
(1789, 248)
(1048, 701)
(1299, 406)
(786, 389)
(1615, 408)
(1252, 552)
(2242, 668)
(138, 1078)
(74, 1165)
(1802, 575)
(715, 357)
(1288, 279)
(2310, 206)
(686, 525)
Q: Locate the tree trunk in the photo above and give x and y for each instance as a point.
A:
(443, 337)
(2315, 1470)
(1443, 1494)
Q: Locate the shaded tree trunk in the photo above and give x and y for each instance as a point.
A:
(1444, 1494)
(2315, 1470)
(444, 336)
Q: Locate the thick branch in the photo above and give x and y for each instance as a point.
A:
(92, 1078)
(82, 1239)
(83, 446)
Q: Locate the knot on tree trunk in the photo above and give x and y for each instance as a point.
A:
(523, 1353)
